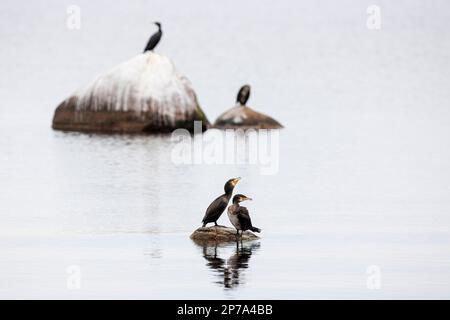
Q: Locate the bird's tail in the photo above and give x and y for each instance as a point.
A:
(254, 229)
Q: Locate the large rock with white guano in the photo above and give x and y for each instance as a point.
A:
(143, 94)
(246, 118)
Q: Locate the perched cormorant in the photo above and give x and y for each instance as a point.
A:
(243, 95)
(154, 39)
(239, 216)
(218, 206)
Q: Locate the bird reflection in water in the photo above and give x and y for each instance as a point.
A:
(229, 270)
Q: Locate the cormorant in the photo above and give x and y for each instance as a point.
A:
(243, 95)
(239, 216)
(154, 39)
(218, 206)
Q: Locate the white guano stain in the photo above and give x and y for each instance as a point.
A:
(148, 82)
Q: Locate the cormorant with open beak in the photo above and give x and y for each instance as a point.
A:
(239, 216)
(154, 39)
(243, 95)
(218, 206)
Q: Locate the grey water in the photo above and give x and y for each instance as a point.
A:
(362, 191)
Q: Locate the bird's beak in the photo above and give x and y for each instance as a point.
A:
(247, 198)
(235, 181)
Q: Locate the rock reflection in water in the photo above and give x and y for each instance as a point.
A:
(229, 271)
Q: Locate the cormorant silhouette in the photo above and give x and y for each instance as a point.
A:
(243, 95)
(218, 206)
(154, 39)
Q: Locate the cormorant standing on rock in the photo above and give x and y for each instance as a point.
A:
(154, 39)
(243, 95)
(239, 216)
(218, 206)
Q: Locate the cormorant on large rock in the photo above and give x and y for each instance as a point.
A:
(143, 94)
(154, 39)
(239, 216)
(242, 116)
(218, 206)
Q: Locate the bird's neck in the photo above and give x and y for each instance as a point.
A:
(228, 194)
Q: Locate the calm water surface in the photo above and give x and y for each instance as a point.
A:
(363, 179)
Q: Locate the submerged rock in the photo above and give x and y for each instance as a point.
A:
(219, 234)
(245, 117)
(143, 94)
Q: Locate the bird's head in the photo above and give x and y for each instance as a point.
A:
(246, 87)
(229, 186)
(240, 197)
(158, 24)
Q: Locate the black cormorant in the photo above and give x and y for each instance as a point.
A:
(243, 95)
(154, 39)
(218, 206)
(239, 216)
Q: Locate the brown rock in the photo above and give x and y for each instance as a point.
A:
(245, 117)
(220, 234)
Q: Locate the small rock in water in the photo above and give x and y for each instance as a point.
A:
(246, 118)
(220, 234)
